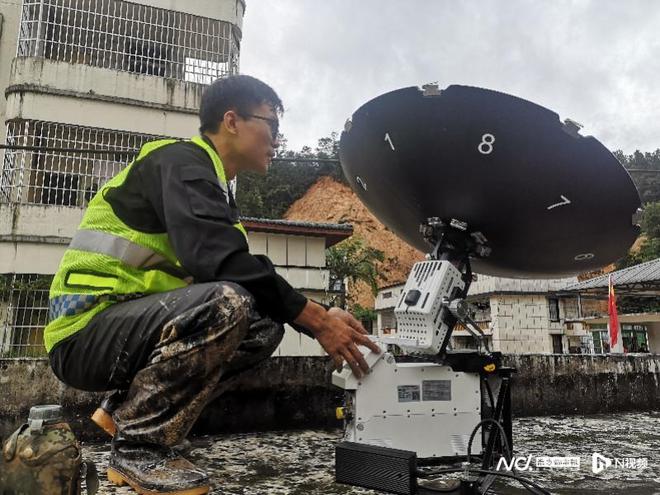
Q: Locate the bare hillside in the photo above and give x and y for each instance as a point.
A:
(331, 201)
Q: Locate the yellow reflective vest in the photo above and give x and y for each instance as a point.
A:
(109, 262)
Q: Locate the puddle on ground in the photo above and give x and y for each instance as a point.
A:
(302, 462)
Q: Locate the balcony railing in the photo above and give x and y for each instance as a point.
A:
(64, 178)
(130, 37)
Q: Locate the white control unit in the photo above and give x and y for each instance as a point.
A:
(421, 306)
(422, 407)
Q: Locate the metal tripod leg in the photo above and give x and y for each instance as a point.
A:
(502, 415)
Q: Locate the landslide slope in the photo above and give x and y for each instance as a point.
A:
(330, 201)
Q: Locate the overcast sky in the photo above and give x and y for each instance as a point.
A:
(597, 62)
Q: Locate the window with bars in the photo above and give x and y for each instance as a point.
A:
(23, 314)
(65, 178)
(131, 37)
(553, 309)
(388, 320)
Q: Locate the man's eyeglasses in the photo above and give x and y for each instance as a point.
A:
(274, 124)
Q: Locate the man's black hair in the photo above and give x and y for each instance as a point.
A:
(239, 93)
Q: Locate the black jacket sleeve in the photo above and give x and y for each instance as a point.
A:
(199, 217)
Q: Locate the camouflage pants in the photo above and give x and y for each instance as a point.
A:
(192, 342)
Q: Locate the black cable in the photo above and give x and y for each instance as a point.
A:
(527, 484)
(523, 481)
(508, 454)
(504, 439)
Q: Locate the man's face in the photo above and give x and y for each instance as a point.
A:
(257, 138)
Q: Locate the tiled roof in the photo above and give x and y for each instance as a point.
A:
(641, 280)
(290, 223)
(332, 232)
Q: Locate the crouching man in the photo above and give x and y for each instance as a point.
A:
(158, 298)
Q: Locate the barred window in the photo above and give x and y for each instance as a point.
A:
(387, 319)
(131, 37)
(553, 307)
(23, 314)
(65, 178)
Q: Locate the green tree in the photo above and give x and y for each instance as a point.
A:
(651, 221)
(366, 316)
(644, 168)
(650, 247)
(353, 260)
(271, 195)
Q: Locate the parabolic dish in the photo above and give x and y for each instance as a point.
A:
(549, 201)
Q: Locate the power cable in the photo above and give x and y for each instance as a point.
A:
(526, 483)
(507, 448)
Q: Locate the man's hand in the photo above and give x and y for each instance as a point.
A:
(347, 318)
(339, 333)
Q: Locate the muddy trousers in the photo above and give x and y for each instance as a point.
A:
(174, 352)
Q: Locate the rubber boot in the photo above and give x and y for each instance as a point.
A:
(103, 418)
(153, 469)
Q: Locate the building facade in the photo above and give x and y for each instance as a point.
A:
(81, 76)
(516, 315)
(637, 290)
(87, 82)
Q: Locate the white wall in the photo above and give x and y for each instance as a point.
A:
(289, 250)
(388, 298)
(90, 82)
(653, 330)
(225, 10)
(10, 12)
(520, 324)
(101, 114)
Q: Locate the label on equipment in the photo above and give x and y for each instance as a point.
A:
(436, 390)
(408, 393)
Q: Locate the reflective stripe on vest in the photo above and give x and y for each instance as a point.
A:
(130, 253)
(127, 252)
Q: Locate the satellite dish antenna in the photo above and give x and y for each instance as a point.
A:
(532, 196)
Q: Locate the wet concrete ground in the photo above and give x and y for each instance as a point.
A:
(301, 462)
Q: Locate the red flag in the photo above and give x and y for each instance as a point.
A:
(614, 317)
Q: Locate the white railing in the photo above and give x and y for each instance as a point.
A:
(131, 37)
(63, 178)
